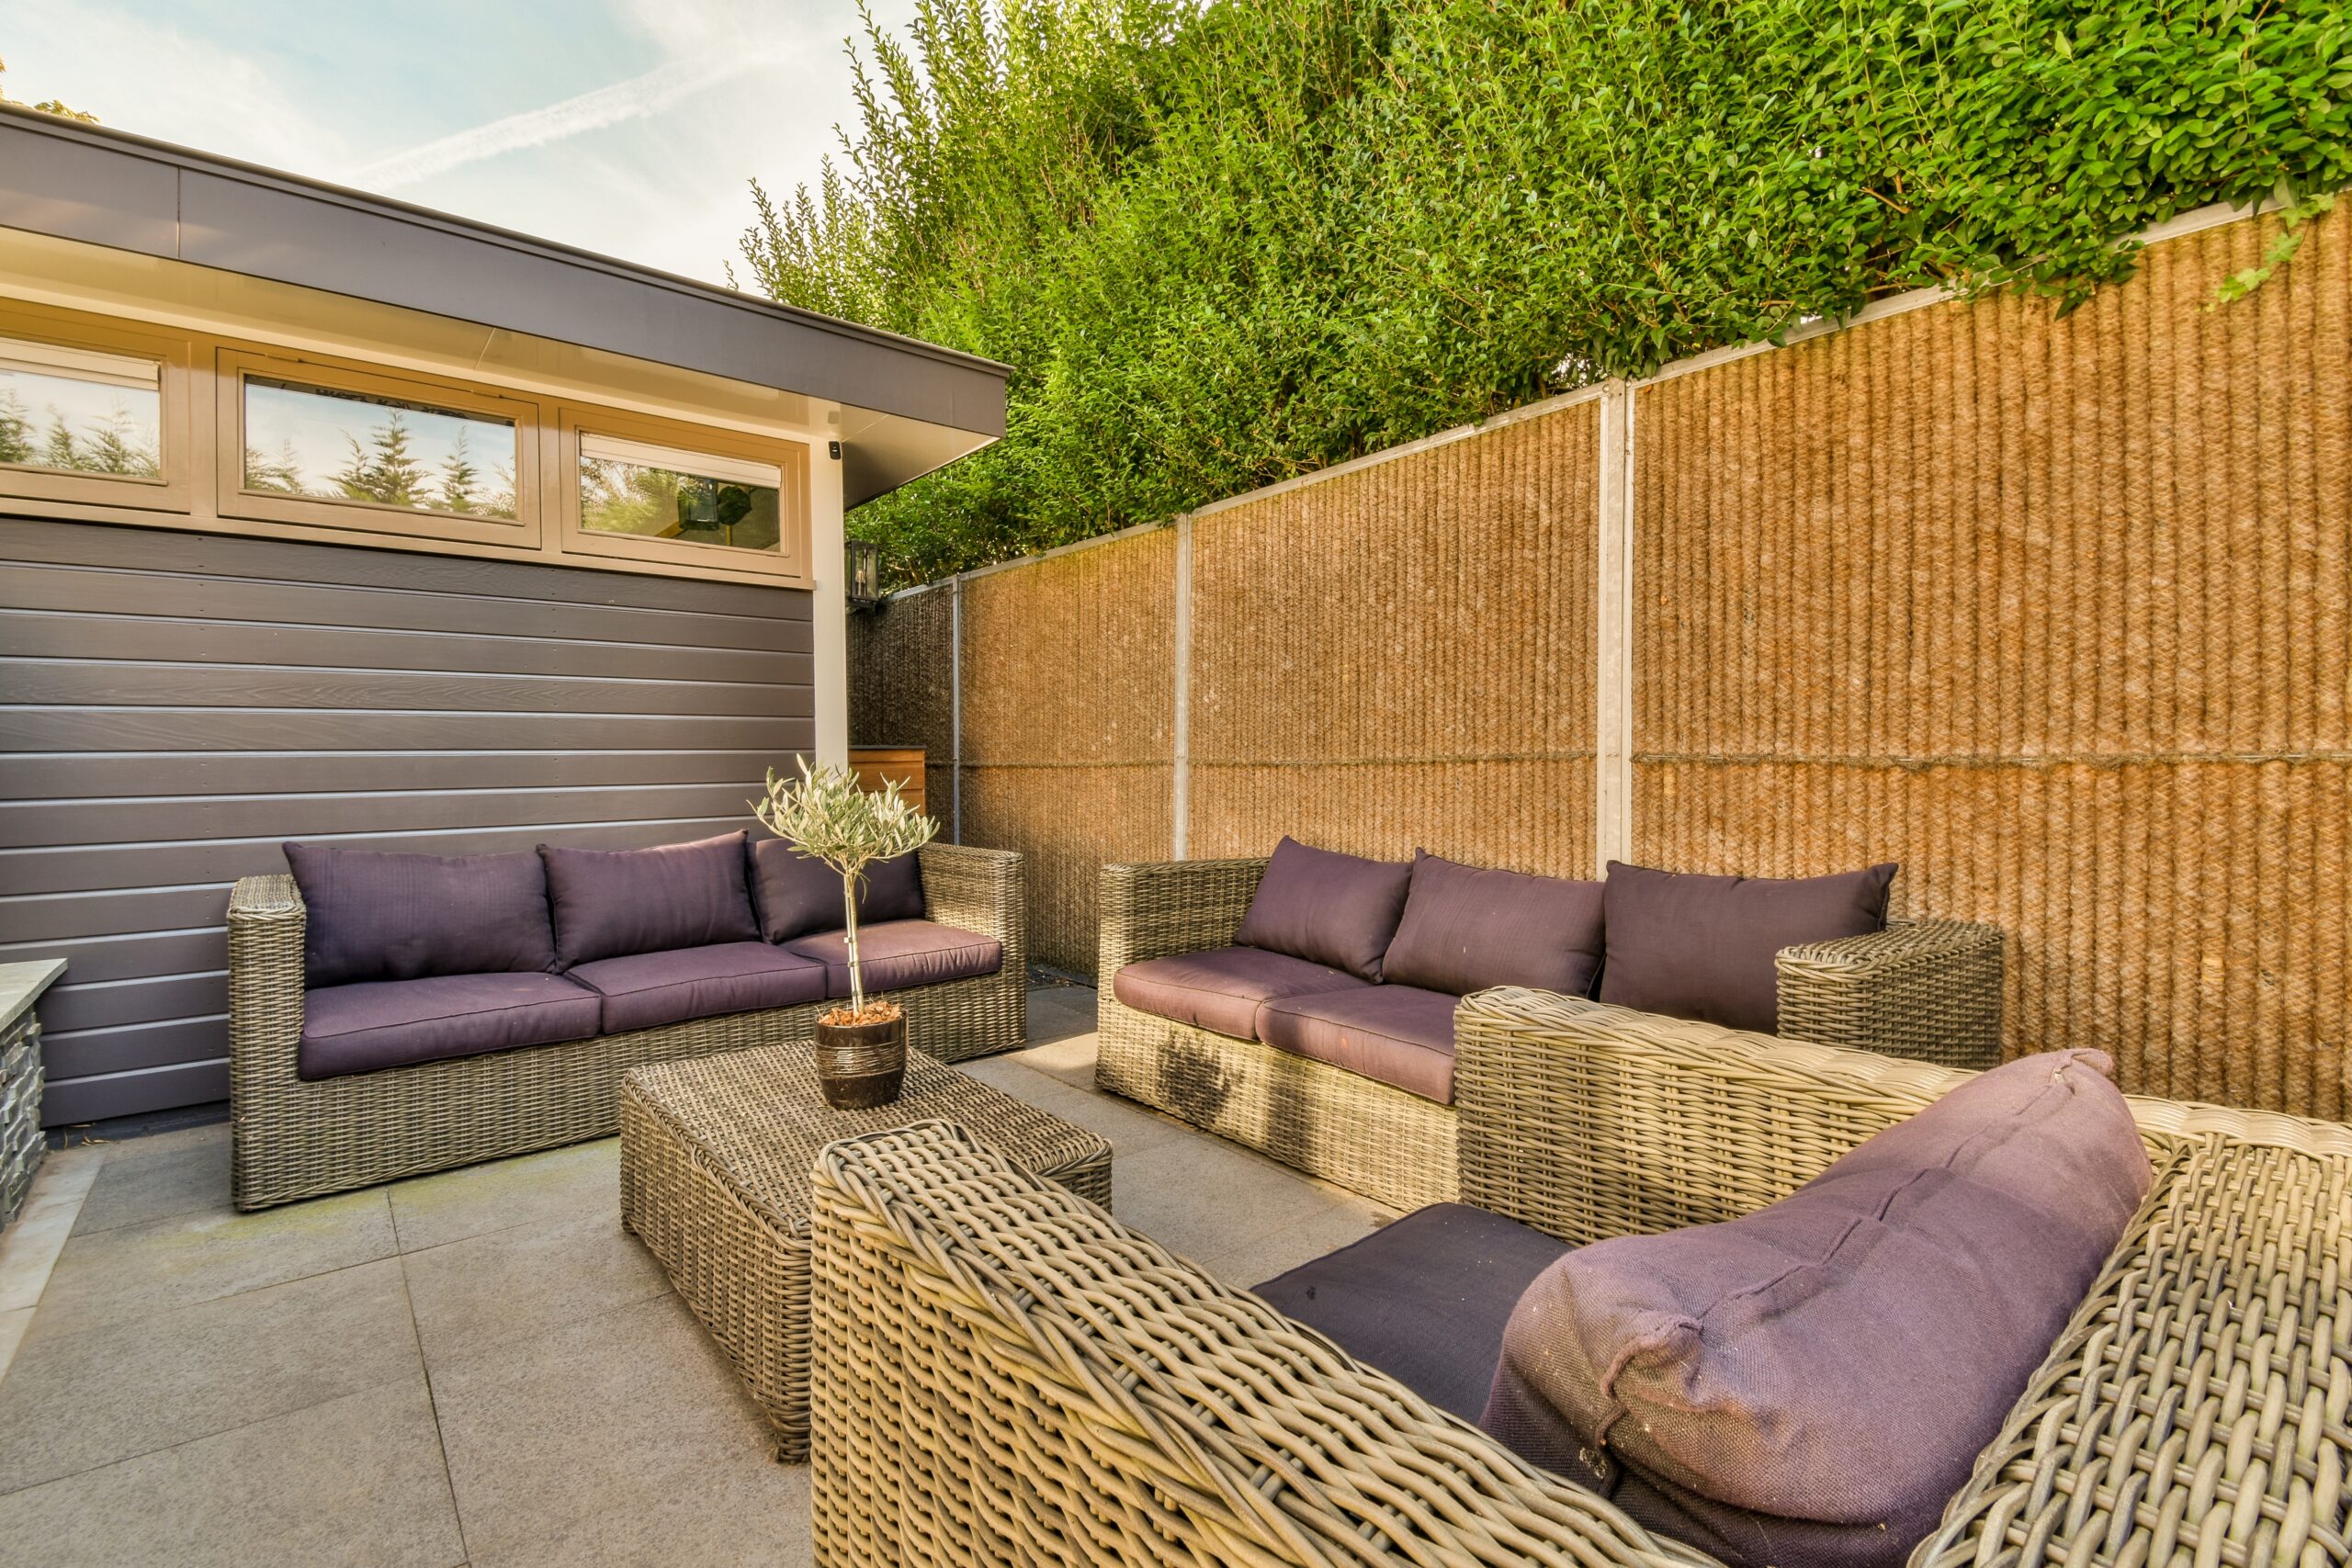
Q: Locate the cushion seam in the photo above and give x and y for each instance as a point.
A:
(444, 1017)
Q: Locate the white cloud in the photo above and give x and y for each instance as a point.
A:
(637, 98)
(141, 76)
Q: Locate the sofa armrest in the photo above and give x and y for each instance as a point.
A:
(267, 924)
(1166, 908)
(979, 890)
(1003, 1373)
(1588, 1121)
(1926, 989)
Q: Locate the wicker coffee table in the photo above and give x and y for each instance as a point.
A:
(716, 1154)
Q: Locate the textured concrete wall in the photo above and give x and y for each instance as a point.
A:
(2058, 613)
(1402, 657)
(1068, 738)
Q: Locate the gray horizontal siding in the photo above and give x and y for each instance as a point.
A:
(174, 705)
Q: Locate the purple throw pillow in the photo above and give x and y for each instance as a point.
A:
(1808, 1384)
(376, 916)
(893, 890)
(1466, 928)
(1703, 947)
(798, 894)
(611, 902)
(1326, 908)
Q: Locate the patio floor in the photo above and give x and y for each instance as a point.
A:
(475, 1369)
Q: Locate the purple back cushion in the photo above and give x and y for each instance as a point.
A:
(1326, 908)
(1465, 929)
(610, 902)
(798, 894)
(1703, 947)
(1810, 1383)
(402, 917)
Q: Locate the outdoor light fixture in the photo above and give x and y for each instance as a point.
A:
(864, 573)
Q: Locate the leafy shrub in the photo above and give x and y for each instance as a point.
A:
(1222, 246)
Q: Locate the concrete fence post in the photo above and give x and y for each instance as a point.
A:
(1612, 763)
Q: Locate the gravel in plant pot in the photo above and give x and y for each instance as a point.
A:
(827, 815)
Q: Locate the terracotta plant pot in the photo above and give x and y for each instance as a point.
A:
(860, 1066)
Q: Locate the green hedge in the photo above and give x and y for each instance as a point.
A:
(1227, 245)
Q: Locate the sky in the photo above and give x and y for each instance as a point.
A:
(627, 127)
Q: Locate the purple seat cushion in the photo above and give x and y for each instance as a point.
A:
(373, 915)
(1808, 1384)
(1223, 988)
(797, 894)
(373, 1024)
(644, 990)
(897, 955)
(1400, 1035)
(1425, 1299)
(1703, 947)
(609, 902)
(1465, 929)
(1328, 908)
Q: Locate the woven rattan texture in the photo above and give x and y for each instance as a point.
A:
(1069, 724)
(2059, 613)
(1929, 990)
(716, 1155)
(2195, 1411)
(296, 1139)
(1005, 1375)
(1403, 657)
(1021, 1379)
(901, 686)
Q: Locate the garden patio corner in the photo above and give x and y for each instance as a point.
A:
(1327, 784)
(477, 1366)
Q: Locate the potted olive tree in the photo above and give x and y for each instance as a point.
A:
(829, 815)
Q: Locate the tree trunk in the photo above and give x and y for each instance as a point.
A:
(849, 932)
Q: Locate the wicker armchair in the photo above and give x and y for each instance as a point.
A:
(300, 1139)
(1005, 1373)
(1928, 989)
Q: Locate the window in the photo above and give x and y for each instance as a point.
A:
(344, 445)
(660, 492)
(328, 445)
(91, 413)
(119, 421)
(77, 411)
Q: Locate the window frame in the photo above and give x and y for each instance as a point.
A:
(234, 367)
(789, 457)
(175, 357)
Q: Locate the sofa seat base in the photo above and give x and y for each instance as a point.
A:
(1426, 1300)
(897, 955)
(1223, 988)
(1394, 1147)
(1398, 1035)
(373, 1024)
(645, 990)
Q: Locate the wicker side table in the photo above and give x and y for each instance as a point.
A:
(716, 1155)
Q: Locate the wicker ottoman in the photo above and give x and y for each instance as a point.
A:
(716, 1154)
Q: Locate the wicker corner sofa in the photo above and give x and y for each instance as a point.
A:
(1060, 1389)
(1924, 989)
(299, 1138)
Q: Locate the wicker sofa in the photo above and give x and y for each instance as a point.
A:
(298, 1137)
(1924, 989)
(1005, 1373)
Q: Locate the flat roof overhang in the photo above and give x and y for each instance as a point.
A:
(907, 406)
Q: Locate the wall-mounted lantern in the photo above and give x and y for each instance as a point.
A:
(864, 574)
